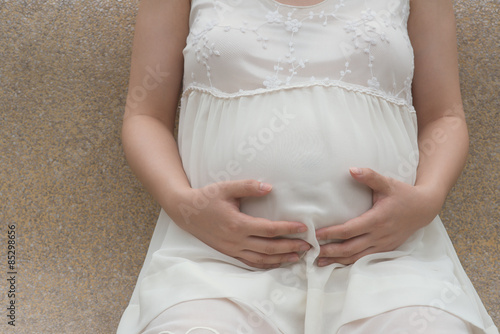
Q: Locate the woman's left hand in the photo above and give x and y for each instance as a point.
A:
(399, 209)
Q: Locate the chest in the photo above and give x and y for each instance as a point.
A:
(260, 44)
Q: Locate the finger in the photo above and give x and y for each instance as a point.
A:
(265, 259)
(347, 248)
(259, 266)
(322, 262)
(372, 179)
(244, 188)
(277, 246)
(360, 225)
(266, 228)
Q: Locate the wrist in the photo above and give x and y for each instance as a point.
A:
(432, 198)
(181, 204)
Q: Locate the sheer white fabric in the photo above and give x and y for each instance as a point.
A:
(221, 316)
(209, 316)
(409, 320)
(294, 96)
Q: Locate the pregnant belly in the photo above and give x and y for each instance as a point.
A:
(303, 143)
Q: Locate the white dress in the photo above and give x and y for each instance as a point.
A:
(294, 96)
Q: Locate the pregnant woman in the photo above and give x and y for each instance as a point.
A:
(317, 142)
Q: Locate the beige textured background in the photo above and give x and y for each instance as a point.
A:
(84, 222)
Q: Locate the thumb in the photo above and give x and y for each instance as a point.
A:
(246, 188)
(377, 182)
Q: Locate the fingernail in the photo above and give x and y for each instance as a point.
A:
(356, 170)
(292, 258)
(265, 186)
(321, 262)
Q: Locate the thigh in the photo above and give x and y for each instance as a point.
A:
(209, 316)
(409, 320)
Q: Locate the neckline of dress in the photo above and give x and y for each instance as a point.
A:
(276, 2)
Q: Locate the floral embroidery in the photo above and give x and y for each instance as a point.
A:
(293, 25)
(204, 53)
(359, 36)
(373, 83)
(274, 17)
(345, 71)
(272, 82)
(366, 32)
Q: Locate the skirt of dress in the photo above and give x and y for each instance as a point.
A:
(289, 298)
(221, 316)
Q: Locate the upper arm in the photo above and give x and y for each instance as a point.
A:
(157, 61)
(436, 86)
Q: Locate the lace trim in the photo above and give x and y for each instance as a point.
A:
(350, 87)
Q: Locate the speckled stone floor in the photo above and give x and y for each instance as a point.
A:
(83, 222)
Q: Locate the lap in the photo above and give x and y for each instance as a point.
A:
(209, 316)
(222, 316)
(409, 320)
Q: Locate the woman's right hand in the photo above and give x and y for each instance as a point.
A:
(212, 214)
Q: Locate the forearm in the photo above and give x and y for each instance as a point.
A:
(443, 147)
(155, 83)
(152, 153)
(442, 137)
